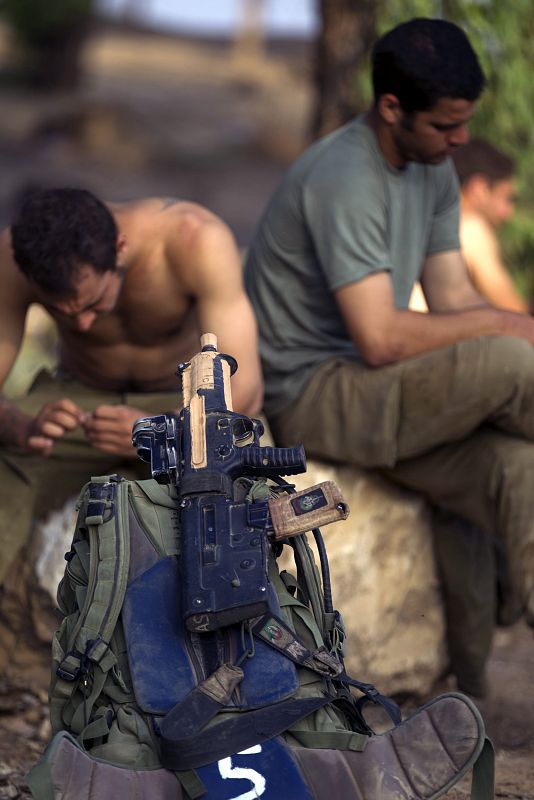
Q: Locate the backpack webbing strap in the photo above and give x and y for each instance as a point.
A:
(483, 776)
(203, 702)
(234, 733)
(371, 694)
(107, 520)
(331, 740)
(191, 784)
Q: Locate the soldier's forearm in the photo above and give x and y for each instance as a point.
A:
(15, 425)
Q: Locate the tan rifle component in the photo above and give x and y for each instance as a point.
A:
(296, 513)
(199, 374)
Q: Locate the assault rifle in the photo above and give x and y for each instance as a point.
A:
(225, 540)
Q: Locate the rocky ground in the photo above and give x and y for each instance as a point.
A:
(210, 123)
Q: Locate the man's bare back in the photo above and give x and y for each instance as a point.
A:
(482, 254)
(178, 273)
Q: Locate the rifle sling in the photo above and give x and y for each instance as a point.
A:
(274, 632)
(235, 733)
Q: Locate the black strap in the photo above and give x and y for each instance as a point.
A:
(371, 694)
(235, 733)
(483, 778)
(198, 707)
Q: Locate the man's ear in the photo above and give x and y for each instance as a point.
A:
(122, 245)
(389, 109)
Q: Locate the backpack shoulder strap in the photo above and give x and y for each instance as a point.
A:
(104, 522)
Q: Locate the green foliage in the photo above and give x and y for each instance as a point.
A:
(35, 21)
(49, 35)
(502, 35)
(517, 239)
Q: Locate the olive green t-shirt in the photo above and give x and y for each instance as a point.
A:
(340, 214)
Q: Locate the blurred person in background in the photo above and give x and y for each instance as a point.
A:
(488, 195)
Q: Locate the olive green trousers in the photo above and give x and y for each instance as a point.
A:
(31, 486)
(456, 425)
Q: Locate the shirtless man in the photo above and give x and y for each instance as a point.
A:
(131, 287)
(488, 196)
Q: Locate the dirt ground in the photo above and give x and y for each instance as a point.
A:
(210, 123)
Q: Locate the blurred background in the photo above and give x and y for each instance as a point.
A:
(211, 100)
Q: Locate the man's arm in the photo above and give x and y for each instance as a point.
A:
(207, 267)
(486, 268)
(18, 429)
(384, 334)
(215, 279)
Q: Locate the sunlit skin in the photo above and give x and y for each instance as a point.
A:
(486, 205)
(95, 295)
(178, 273)
(495, 201)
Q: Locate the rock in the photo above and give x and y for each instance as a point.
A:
(28, 614)
(51, 540)
(384, 582)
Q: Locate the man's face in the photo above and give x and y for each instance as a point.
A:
(498, 201)
(429, 137)
(96, 294)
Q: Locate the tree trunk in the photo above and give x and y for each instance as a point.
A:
(56, 61)
(343, 46)
(50, 35)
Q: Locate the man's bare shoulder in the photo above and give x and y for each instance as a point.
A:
(181, 226)
(193, 222)
(179, 239)
(474, 225)
(164, 211)
(478, 238)
(198, 241)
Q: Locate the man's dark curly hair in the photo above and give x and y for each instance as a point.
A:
(55, 232)
(423, 60)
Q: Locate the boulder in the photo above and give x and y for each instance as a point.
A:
(383, 580)
(28, 615)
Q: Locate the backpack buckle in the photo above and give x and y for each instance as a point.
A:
(70, 667)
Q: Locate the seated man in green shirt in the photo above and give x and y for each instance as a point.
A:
(442, 403)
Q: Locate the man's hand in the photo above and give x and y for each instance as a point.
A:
(109, 428)
(51, 423)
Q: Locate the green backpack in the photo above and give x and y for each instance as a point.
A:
(141, 705)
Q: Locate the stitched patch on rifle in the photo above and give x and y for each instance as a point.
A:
(309, 502)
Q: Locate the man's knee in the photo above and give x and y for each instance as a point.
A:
(497, 379)
(511, 467)
(509, 358)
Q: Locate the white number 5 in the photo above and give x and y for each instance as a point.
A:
(227, 770)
